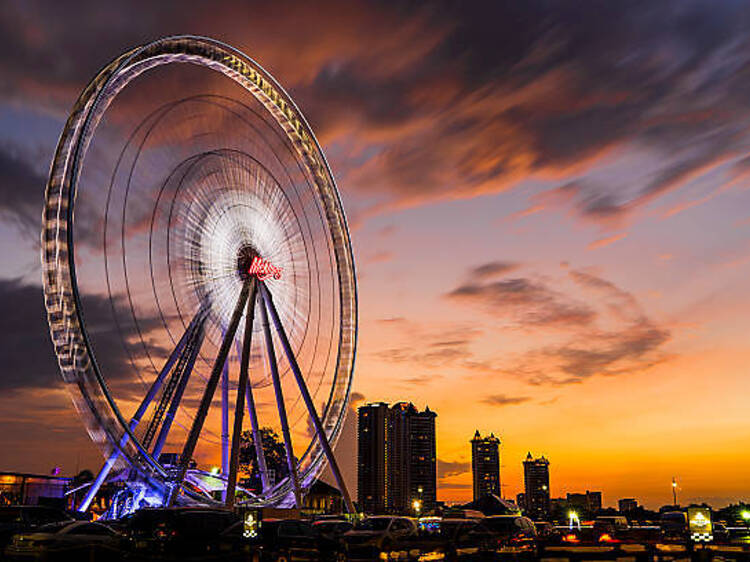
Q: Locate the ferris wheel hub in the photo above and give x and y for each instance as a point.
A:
(245, 256)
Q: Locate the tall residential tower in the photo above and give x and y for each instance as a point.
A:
(536, 483)
(397, 459)
(485, 465)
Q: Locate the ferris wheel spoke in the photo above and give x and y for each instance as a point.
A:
(198, 319)
(319, 430)
(208, 394)
(242, 387)
(290, 459)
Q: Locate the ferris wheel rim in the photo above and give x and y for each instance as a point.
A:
(69, 170)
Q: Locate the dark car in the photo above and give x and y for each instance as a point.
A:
(513, 534)
(24, 518)
(181, 532)
(547, 533)
(65, 541)
(465, 539)
(674, 525)
(720, 532)
(283, 540)
(610, 528)
(332, 528)
(379, 534)
(330, 533)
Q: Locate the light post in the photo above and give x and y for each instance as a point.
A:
(417, 506)
(745, 514)
(674, 491)
(573, 519)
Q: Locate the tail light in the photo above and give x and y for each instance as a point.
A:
(570, 537)
(162, 533)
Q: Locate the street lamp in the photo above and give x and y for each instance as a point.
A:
(745, 514)
(573, 519)
(674, 491)
(417, 506)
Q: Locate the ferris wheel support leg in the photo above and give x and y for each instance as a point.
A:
(208, 395)
(257, 438)
(225, 418)
(255, 426)
(319, 430)
(239, 408)
(194, 348)
(136, 419)
(290, 460)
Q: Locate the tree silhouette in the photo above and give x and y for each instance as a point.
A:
(273, 450)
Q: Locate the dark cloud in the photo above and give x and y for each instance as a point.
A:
(447, 100)
(526, 301)
(611, 353)
(505, 400)
(26, 348)
(446, 469)
(610, 335)
(21, 191)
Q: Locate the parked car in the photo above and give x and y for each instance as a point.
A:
(65, 541)
(330, 533)
(466, 539)
(720, 532)
(609, 528)
(374, 535)
(182, 531)
(332, 528)
(547, 533)
(285, 540)
(24, 518)
(513, 534)
(673, 525)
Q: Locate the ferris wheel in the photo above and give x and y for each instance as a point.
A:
(198, 267)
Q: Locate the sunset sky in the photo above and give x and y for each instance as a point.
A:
(550, 210)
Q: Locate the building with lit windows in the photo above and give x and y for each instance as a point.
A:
(536, 487)
(372, 434)
(397, 462)
(485, 465)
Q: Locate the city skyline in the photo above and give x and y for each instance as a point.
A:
(549, 213)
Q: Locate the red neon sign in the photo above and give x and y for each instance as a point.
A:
(263, 269)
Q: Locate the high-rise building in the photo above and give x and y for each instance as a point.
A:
(589, 503)
(372, 434)
(397, 458)
(485, 465)
(626, 504)
(421, 481)
(594, 501)
(536, 484)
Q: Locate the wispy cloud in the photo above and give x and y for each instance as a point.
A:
(505, 400)
(603, 242)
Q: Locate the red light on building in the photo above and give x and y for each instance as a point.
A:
(263, 269)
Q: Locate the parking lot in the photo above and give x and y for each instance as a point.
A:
(38, 533)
